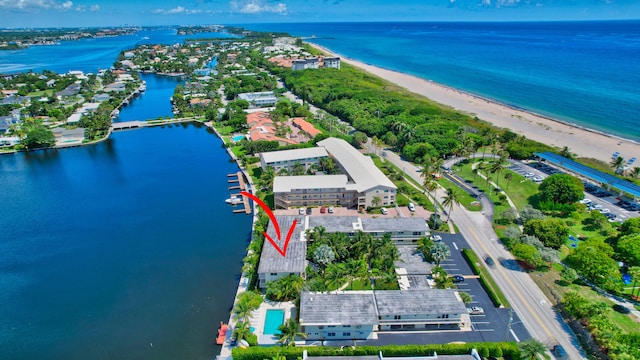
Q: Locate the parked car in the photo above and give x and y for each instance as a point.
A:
(323, 210)
(384, 211)
(457, 278)
(559, 352)
(621, 309)
(436, 238)
(309, 211)
(412, 207)
(301, 211)
(475, 310)
(330, 210)
(489, 261)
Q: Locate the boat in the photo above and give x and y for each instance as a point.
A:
(234, 200)
(222, 333)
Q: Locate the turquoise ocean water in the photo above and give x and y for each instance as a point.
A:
(584, 73)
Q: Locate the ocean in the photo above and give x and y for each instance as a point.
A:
(585, 73)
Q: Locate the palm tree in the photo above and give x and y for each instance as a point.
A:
(566, 152)
(617, 163)
(508, 176)
(496, 167)
(450, 199)
(242, 330)
(531, 348)
(289, 331)
(440, 252)
(334, 275)
(243, 310)
(431, 188)
(636, 172)
(375, 201)
(356, 269)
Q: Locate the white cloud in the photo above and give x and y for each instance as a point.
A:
(176, 10)
(35, 5)
(257, 6)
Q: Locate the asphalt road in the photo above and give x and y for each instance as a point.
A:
(528, 301)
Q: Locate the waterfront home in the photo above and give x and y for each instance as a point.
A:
(66, 136)
(273, 265)
(340, 316)
(356, 315)
(302, 64)
(259, 99)
(9, 141)
(287, 159)
(403, 231)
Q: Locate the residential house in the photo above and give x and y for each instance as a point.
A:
(273, 265)
(332, 62)
(304, 126)
(261, 127)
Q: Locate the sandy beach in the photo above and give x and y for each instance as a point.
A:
(583, 142)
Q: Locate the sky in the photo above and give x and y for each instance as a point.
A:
(74, 13)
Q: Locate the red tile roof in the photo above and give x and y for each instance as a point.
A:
(305, 126)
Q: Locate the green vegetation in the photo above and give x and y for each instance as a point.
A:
(496, 296)
(341, 262)
(497, 349)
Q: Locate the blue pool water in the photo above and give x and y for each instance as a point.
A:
(238, 138)
(272, 321)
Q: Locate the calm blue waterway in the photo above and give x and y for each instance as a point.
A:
(88, 55)
(153, 103)
(121, 250)
(585, 73)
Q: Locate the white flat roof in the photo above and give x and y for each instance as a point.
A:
(294, 154)
(289, 183)
(359, 167)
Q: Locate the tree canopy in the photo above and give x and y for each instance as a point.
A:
(561, 189)
(552, 232)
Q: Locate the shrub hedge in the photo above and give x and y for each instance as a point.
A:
(507, 349)
(487, 282)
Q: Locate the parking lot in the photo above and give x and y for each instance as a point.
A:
(607, 202)
(490, 326)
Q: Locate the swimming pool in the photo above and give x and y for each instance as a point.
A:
(272, 320)
(237, 138)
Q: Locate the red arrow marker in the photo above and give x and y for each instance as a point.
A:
(264, 207)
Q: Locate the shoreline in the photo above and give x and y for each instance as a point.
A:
(581, 140)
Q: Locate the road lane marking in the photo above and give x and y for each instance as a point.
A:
(517, 292)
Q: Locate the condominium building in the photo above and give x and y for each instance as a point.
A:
(402, 230)
(273, 265)
(287, 159)
(356, 315)
(361, 185)
(259, 99)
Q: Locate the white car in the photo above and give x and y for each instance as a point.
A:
(585, 201)
(605, 211)
(475, 310)
(384, 211)
(412, 207)
(436, 238)
(301, 211)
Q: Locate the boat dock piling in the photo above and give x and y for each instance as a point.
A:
(237, 178)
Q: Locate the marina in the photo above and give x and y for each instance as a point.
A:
(238, 184)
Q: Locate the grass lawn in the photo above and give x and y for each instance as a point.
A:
(238, 150)
(224, 130)
(551, 284)
(466, 173)
(41, 93)
(360, 284)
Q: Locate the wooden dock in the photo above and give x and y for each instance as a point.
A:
(237, 178)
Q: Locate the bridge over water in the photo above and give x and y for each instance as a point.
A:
(137, 124)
